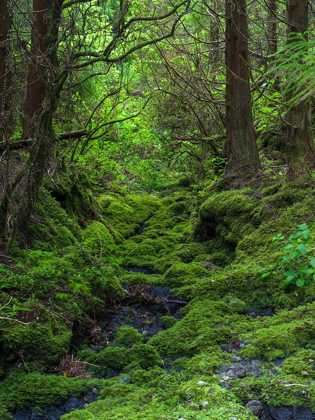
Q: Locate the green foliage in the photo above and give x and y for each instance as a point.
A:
(296, 265)
(295, 61)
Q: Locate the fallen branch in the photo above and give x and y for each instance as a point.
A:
(23, 144)
(179, 302)
(16, 320)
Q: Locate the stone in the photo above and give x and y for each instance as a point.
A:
(236, 359)
(255, 407)
(224, 368)
(240, 371)
(230, 373)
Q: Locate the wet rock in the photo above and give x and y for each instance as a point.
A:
(225, 384)
(224, 368)
(240, 371)
(287, 413)
(54, 413)
(236, 359)
(144, 270)
(235, 343)
(231, 373)
(256, 407)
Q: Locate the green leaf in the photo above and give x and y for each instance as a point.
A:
(306, 234)
(289, 246)
(294, 254)
(265, 275)
(300, 282)
(312, 262)
(302, 249)
(303, 226)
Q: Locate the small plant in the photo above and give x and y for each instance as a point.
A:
(297, 266)
(3, 270)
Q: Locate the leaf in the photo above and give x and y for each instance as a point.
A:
(312, 262)
(300, 282)
(303, 226)
(306, 234)
(294, 254)
(289, 246)
(302, 249)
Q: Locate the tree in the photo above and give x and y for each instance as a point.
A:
(241, 147)
(35, 93)
(299, 139)
(6, 121)
(60, 49)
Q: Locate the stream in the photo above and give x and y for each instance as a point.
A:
(142, 309)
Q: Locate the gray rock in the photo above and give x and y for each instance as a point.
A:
(224, 368)
(240, 371)
(230, 373)
(255, 407)
(236, 359)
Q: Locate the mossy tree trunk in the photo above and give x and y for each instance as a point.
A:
(35, 81)
(241, 147)
(300, 145)
(43, 146)
(6, 115)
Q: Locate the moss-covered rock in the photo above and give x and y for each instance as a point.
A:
(128, 336)
(36, 390)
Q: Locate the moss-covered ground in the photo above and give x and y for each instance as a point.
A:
(209, 248)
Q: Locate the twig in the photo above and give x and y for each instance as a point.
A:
(16, 320)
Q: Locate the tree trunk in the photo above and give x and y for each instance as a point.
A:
(272, 28)
(35, 81)
(6, 115)
(241, 147)
(300, 145)
(43, 145)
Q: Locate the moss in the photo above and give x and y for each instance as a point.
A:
(274, 391)
(53, 228)
(284, 335)
(237, 305)
(168, 321)
(97, 238)
(128, 336)
(205, 324)
(4, 414)
(227, 214)
(111, 358)
(123, 214)
(177, 207)
(180, 273)
(145, 356)
(46, 341)
(188, 252)
(25, 390)
(302, 364)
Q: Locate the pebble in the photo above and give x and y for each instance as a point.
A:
(202, 383)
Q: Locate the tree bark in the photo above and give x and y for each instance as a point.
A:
(272, 28)
(35, 81)
(241, 147)
(6, 115)
(300, 145)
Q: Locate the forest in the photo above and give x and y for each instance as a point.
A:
(157, 209)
